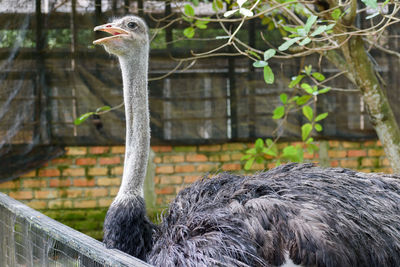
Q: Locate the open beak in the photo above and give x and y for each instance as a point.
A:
(116, 32)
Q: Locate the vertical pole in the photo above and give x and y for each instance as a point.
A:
(39, 79)
(232, 98)
(140, 8)
(168, 31)
(250, 77)
(126, 6)
(73, 61)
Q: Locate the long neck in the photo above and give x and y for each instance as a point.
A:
(134, 76)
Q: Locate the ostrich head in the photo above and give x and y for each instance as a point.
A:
(128, 34)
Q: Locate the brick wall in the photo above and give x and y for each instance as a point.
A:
(78, 187)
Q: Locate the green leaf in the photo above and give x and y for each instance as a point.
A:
(289, 29)
(248, 164)
(319, 30)
(278, 112)
(303, 99)
(189, 10)
(260, 64)
(217, 5)
(308, 112)
(104, 108)
(336, 14)
(330, 27)
(259, 160)
(307, 88)
(278, 163)
(246, 157)
(269, 53)
(82, 118)
(195, 2)
(251, 151)
(324, 90)
(189, 32)
(288, 43)
(318, 127)
(269, 142)
(309, 140)
(259, 144)
(268, 75)
(371, 3)
(200, 24)
(283, 97)
(253, 54)
(230, 12)
(295, 81)
(310, 21)
(308, 69)
(321, 116)
(319, 76)
(305, 131)
(270, 152)
(305, 41)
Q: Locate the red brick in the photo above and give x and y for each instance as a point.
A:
(113, 191)
(157, 160)
(34, 183)
(231, 167)
(37, 204)
(225, 157)
(85, 204)
(237, 156)
(60, 203)
(96, 192)
(257, 167)
(49, 172)
(99, 150)
(349, 163)
(60, 182)
(206, 167)
(20, 195)
(369, 143)
(210, 148)
(61, 161)
(337, 153)
(196, 157)
(214, 158)
(75, 151)
(46, 194)
(334, 143)
(165, 169)
(184, 168)
(9, 185)
(83, 182)
(356, 153)
(385, 162)
(108, 181)
(190, 179)
(105, 202)
(369, 162)
(73, 172)
(233, 147)
(118, 150)
(161, 148)
(171, 179)
(72, 193)
(334, 163)
(376, 152)
(110, 161)
(29, 174)
(310, 156)
(347, 144)
(97, 171)
(86, 161)
(173, 158)
(118, 170)
(165, 190)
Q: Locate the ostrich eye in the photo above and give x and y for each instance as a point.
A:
(132, 25)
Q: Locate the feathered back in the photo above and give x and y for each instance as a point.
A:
(314, 216)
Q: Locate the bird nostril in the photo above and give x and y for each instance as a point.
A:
(108, 26)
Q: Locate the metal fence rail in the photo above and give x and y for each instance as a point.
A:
(29, 238)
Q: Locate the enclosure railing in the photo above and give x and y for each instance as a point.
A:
(29, 238)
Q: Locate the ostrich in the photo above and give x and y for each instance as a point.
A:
(295, 214)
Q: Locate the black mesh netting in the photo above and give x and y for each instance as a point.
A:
(50, 74)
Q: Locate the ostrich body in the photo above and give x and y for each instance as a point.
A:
(294, 214)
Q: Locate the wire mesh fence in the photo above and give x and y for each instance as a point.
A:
(29, 238)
